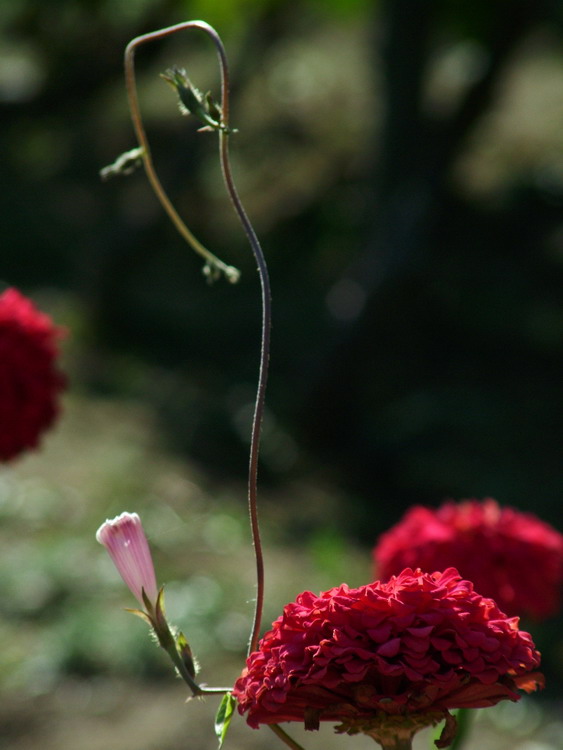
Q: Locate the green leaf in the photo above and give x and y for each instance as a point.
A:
(224, 716)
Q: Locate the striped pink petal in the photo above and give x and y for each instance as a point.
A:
(125, 540)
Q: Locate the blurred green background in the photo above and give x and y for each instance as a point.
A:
(403, 164)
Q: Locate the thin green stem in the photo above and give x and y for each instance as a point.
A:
(168, 643)
(231, 273)
(196, 689)
(284, 737)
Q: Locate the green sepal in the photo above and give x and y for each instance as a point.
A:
(213, 109)
(192, 101)
(149, 606)
(160, 624)
(141, 614)
(186, 654)
(160, 615)
(224, 716)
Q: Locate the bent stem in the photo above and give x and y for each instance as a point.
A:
(265, 348)
(230, 272)
(155, 617)
(212, 262)
(197, 690)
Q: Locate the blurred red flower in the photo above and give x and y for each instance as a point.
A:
(510, 556)
(387, 657)
(29, 379)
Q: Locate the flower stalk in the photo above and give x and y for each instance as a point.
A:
(264, 354)
(140, 579)
(218, 119)
(176, 646)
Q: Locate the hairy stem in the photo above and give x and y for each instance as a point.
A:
(265, 347)
(229, 271)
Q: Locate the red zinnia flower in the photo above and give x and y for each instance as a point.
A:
(510, 556)
(387, 659)
(29, 380)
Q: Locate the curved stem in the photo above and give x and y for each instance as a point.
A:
(284, 737)
(231, 273)
(228, 270)
(265, 348)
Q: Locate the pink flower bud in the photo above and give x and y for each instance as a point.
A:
(125, 540)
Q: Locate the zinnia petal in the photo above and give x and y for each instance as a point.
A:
(402, 673)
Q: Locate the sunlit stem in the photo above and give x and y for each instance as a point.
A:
(231, 273)
(228, 270)
(284, 737)
(265, 349)
(196, 689)
(266, 326)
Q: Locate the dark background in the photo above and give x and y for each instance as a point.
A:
(403, 165)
